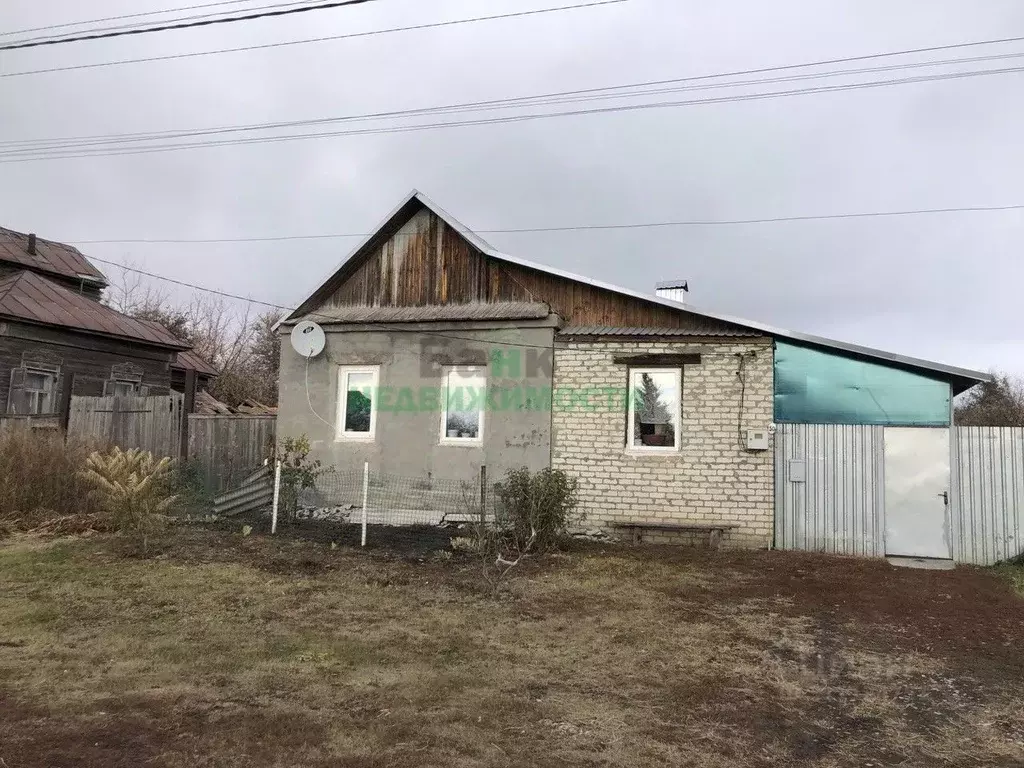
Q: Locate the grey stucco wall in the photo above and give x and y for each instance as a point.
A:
(407, 440)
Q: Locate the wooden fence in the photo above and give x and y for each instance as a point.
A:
(227, 449)
(224, 450)
(151, 423)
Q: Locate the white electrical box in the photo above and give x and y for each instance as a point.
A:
(757, 439)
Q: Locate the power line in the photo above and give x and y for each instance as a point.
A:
(136, 25)
(33, 146)
(44, 154)
(823, 62)
(183, 25)
(123, 16)
(581, 228)
(411, 28)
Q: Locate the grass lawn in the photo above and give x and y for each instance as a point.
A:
(219, 650)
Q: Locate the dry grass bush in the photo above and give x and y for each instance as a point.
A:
(132, 488)
(40, 481)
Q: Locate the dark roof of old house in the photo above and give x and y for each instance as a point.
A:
(50, 257)
(960, 378)
(500, 310)
(31, 297)
(190, 361)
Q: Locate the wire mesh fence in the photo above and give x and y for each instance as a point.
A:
(382, 509)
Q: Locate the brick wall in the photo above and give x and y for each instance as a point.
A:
(712, 478)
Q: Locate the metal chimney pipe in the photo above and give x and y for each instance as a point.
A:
(32, 244)
(673, 290)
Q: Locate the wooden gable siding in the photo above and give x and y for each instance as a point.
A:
(424, 262)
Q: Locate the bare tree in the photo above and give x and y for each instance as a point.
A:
(996, 403)
(240, 344)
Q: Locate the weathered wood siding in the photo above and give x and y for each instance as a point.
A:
(150, 423)
(90, 358)
(426, 262)
(227, 449)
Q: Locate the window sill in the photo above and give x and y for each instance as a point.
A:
(353, 439)
(653, 452)
(467, 443)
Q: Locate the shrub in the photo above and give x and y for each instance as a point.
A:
(538, 506)
(298, 472)
(39, 478)
(132, 489)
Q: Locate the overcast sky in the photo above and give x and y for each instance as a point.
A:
(943, 287)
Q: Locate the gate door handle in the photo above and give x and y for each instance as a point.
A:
(945, 497)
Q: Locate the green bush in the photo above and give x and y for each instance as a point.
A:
(536, 506)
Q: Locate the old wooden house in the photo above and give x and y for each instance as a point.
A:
(58, 339)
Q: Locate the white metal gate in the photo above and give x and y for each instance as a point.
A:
(917, 492)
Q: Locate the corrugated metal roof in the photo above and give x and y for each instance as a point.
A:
(190, 361)
(31, 297)
(55, 258)
(505, 310)
(698, 329)
(962, 378)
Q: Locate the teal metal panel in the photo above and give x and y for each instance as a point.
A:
(816, 387)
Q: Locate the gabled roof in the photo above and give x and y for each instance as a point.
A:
(190, 361)
(960, 378)
(50, 257)
(32, 298)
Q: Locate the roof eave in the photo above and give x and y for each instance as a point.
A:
(101, 334)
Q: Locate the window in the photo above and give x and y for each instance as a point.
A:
(463, 395)
(39, 390)
(124, 388)
(655, 404)
(357, 402)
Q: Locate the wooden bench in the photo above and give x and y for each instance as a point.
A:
(714, 531)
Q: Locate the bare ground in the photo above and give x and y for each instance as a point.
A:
(219, 650)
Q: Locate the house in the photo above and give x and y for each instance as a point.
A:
(443, 355)
(55, 333)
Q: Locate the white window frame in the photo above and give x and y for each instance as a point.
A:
(677, 417)
(344, 372)
(33, 395)
(464, 371)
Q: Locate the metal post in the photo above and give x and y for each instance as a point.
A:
(483, 496)
(277, 495)
(366, 494)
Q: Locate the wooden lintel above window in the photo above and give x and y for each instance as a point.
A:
(666, 360)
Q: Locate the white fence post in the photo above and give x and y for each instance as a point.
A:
(277, 496)
(366, 494)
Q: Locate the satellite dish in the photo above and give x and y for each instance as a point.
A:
(308, 339)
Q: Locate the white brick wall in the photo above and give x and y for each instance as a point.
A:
(712, 478)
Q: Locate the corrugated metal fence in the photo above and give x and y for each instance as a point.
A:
(829, 488)
(988, 519)
(830, 491)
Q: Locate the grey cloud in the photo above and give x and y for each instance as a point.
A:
(936, 286)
